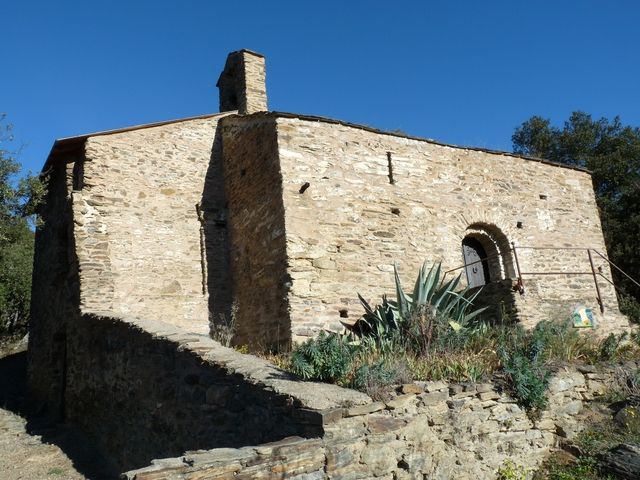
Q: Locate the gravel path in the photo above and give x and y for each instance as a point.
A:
(26, 456)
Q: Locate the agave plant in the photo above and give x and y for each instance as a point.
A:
(430, 290)
(432, 299)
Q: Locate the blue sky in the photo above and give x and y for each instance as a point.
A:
(464, 72)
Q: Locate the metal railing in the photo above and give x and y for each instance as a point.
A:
(593, 272)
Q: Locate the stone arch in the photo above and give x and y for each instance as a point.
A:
(495, 243)
(494, 232)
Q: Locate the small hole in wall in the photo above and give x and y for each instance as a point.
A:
(519, 224)
(395, 211)
(543, 196)
(304, 187)
(338, 248)
(243, 172)
(344, 313)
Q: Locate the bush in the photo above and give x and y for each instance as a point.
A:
(464, 366)
(560, 341)
(511, 471)
(19, 200)
(528, 381)
(16, 260)
(225, 328)
(328, 358)
(630, 307)
(373, 378)
(611, 345)
(523, 359)
(433, 333)
(433, 317)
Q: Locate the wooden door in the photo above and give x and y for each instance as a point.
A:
(475, 259)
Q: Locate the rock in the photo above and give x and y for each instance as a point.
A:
(484, 387)
(365, 409)
(586, 368)
(627, 415)
(470, 388)
(623, 461)
(597, 388)
(435, 386)
(411, 388)
(400, 401)
(545, 424)
(324, 263)
(379, 459)
(455, 389)
(433, 398)
(570, 447)
(488, 395)
(384, 424)
(565, 382)
(567, 428)
(571, 408)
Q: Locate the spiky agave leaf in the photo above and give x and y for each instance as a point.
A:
(401, 297)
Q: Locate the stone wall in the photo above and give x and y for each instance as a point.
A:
(290, 217)
(144, 389)
(375, 198)
(138, 231)
(55, 289)
(258, 254)
(431, 430)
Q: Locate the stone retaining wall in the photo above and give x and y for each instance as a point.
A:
(430, 430)
(146, 389)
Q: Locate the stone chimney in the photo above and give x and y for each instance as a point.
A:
(242, 83)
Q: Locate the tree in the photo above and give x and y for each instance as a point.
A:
(18, 201)
(611, 151)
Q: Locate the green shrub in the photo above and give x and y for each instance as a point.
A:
(372, 378)
(433, 333)
(328, 358)
(611, 345)
(16, 261)
(627, 385)
(585, 469)
(528, 381)
(511, 471)
(523, 358)
(463, 366)
(630, 307)
(434, 315)
(560, 341)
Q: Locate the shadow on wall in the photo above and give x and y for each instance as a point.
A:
(214, 241)
(86, 459)
(141, 397)
(245, 239)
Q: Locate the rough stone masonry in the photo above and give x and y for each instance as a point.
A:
(278, 220)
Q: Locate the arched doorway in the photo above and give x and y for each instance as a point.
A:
(475, 260)
(487, 255)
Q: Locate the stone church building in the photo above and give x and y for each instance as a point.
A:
(280, 219)
(155, 234)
